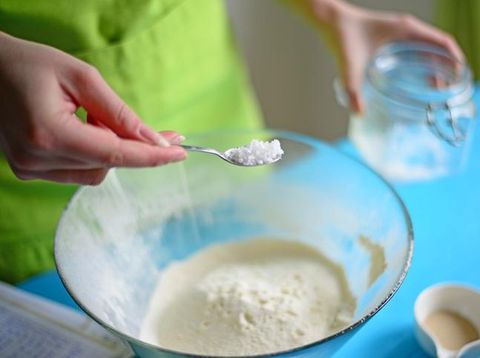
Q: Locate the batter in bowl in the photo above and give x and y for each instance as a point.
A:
(251, 297)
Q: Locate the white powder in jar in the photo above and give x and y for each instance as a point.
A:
(256, 153)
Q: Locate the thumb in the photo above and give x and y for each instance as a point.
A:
(352, 78)
(352, 88)
(93, 93)
(355, 99)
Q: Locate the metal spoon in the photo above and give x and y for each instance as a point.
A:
(225, 155)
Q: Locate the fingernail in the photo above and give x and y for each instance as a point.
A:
(179, 156)
(177, 139)
(153, 137)
(161, 141)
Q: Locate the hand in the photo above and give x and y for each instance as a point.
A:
(354, 34)
(40, 90)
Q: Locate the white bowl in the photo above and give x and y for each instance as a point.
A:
(457, 298)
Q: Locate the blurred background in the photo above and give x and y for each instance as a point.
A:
(290, 67)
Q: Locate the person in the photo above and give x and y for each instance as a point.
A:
(85, 87)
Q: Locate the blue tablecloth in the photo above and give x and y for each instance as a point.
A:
(446, 219)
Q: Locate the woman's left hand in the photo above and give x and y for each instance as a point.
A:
(355, 33)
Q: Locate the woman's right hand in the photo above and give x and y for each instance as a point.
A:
(41, 137)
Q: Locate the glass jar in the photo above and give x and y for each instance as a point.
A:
(419, 114)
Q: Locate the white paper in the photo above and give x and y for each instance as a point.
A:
(32, 326)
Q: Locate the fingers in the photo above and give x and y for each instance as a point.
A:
(419, 30)
(92, 92)
(91, 120)
(353, 90)
(98, 146)
(34, 162)
(356, 102)
(351, 71)
(74, 152)
(172, 137)
(83, 177)
(88, 161)
(355, 49)
(89, 169)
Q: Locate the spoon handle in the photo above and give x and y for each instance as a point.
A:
(193, 148)
(196, 148)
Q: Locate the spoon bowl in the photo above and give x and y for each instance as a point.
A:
(226, 156)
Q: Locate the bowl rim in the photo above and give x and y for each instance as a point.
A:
(350, 328)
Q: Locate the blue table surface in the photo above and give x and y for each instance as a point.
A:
(446, 219)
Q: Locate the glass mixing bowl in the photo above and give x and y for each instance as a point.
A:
(114, 239)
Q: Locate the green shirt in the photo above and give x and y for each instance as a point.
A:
(172, 61)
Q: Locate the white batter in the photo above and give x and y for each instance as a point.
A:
(245, 298)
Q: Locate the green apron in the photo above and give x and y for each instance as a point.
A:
(172, 61)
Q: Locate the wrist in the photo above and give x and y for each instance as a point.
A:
(325, 12)
(325, 15)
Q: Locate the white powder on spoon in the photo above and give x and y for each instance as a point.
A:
(256, 153)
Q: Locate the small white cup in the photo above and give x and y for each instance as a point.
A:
(456, 298)
(470, 350)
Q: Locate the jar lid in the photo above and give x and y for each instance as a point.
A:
(420, 74)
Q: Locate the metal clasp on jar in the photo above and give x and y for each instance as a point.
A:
(456, 136)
